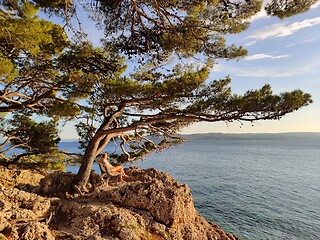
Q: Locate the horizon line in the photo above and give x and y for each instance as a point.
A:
(203, 133)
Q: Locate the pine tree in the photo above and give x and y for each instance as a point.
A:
(44, 73)
(35, 82)
(130, 108)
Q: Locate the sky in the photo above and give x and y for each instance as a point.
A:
(283, 53)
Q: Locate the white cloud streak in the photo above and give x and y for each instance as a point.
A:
(250, 43)
(260, 15)
(317, 4)
(310, 40)
(261, 72)
(281, 30)
(269, 71)
(264, 56)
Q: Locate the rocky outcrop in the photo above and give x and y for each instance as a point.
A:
(169, 202)
(150, 205)
(23, 215)
(21, 178)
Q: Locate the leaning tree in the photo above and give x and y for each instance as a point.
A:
(157, 98)
(131, 109)
(143, 107)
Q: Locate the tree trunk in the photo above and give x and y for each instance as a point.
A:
(92, 151)
(99, 141)
(83, 174)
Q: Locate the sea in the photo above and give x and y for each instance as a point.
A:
(255, 186)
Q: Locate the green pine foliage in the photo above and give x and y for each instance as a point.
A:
(186, 28)
(46, 76)
(37, 141)
(31, 86)
(34, 137)
(288, 8)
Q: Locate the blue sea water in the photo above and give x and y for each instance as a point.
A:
(256, 186)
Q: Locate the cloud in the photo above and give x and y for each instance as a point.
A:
(281, 30)
(260, 15)
(290, 45)
(317, 4)
(272, 72)
(263, 70)
(260, 73)
(310, 40)
(264, 56)
(250, 43)
(217, 67)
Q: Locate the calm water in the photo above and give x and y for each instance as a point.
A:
(254, 186)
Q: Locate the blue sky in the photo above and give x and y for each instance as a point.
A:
(283, 53)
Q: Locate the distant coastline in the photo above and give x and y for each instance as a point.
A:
(215, 135)
(253, 136)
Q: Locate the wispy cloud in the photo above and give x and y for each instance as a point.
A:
(290, 45)
(250, 43)
(218, 67)
(310, 40)
(281, 30)
(259, 73)
(317, 4)
(264, 56)
(251, 70)
(272, 72)
(260, 15)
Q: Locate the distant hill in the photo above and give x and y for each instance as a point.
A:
(249, 136)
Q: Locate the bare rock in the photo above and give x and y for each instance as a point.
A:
(168, 201)
(35, 230)
(21, 213)
(56, 184)
(19, 177)
(85, 220)
(59, 183)
(149, 205)
(20, 205)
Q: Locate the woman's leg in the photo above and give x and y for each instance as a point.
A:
(120, 170)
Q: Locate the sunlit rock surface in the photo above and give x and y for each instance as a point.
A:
(149, 205)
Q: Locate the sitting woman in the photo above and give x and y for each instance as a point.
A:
(104, 161)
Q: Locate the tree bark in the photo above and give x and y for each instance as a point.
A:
(91, 153)
(99, 141)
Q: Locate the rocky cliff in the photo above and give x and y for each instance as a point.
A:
(149, 205)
